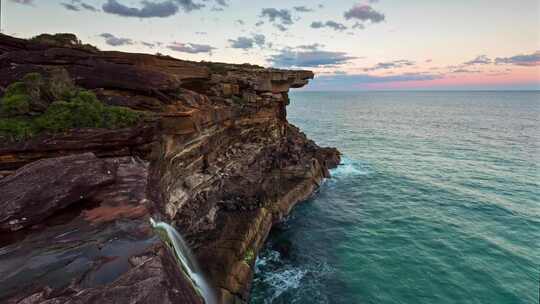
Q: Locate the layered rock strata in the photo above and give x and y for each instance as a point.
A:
(216, 158)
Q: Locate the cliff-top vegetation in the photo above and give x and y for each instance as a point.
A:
(52, 104)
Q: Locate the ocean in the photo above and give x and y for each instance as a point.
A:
(437, 201)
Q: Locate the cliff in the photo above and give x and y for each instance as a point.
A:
(213, 155)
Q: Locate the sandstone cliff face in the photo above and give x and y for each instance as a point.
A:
(216, 158)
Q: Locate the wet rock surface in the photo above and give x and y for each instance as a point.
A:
(216, 158)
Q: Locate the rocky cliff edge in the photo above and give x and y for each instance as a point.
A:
(214, 156)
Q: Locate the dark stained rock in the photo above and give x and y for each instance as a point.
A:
(37, 190)
(154, 278)
(87, 245)
(102, 142)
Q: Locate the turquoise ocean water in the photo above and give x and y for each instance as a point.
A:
(437, 201)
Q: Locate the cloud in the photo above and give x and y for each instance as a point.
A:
(356, 81)
(303, 9)
(521, 60)
(112, 40)
(150, 9)
(281, 27)
(273, 14)
(279, 17)
(148, 44)
(70, 7)
(309, 58)
(358, 25)
(248, 42)
(222, 3)
(189, 5)
(482, 59)
(463, 71)
(191, 48)
(313, 46)
(77, 5)
(88, 7)
(259, 39)
(364, 13)
(24, 2)
(240, 21)
(241, 43)
(390, 65)
(317, 24)
(331, 24)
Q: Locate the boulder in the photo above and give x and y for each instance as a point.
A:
(39, 189)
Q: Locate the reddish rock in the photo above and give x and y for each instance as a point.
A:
(38, 190)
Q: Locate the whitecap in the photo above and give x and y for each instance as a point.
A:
(284, 280)
(350, 167)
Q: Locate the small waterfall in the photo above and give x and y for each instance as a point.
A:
(183, 255)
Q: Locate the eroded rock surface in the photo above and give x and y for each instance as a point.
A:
(41, 188)
(216, 158)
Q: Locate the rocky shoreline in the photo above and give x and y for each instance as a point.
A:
(215, 157)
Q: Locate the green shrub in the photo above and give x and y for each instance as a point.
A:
(120, 117)
(16, 129)
(18, 104)
(249, 256)
(60, 86)
(63, 40)
(62, 115)
(85, 111)
(33, 83)
(25, 111)
(15, 88)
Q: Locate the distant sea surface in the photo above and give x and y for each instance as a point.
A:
(437, 201)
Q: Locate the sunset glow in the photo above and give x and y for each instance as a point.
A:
(351, 45)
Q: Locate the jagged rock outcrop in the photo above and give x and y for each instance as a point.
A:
(216, 158)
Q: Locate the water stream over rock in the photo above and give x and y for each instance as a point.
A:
(185, 259)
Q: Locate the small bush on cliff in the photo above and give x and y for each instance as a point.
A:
(34, 105)
(63, 40)
(18, 104)
(60, 86)
(249, 256)
(16, 129)
(84, 110)
(33, 82)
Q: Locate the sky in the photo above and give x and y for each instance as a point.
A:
(350, 45)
